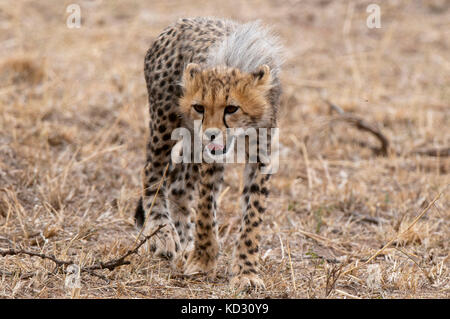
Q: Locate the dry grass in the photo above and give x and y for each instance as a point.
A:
(73, 127)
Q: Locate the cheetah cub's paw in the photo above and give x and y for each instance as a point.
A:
(200, 263)
(245, 282)
(166, 243)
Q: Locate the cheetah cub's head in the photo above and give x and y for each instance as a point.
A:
(224, 98)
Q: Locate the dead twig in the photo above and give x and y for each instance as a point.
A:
(366, 219)
(12, 252)
(360, 124)
(333, 275)
(435, 152)
(12, 274)
(323, 241)
(110, 265)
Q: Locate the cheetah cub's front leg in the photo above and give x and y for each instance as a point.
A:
(246, 254)
(203, 258)
(152, 212)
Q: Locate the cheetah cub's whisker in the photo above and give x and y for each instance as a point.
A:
(224, 75)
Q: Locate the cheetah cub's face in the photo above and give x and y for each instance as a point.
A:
(224, 98)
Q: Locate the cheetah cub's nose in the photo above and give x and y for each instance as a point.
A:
(214, 143)
(211, 134)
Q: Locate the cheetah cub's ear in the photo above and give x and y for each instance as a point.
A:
(261, 76)
(190, 81)
(191, 70)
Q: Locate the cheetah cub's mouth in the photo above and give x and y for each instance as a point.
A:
(216, 150)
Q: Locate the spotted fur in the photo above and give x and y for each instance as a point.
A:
(214, 63)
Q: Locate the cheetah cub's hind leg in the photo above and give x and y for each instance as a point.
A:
(246, 254)
(203, 259)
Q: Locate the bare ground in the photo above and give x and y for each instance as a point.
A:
(73, 129)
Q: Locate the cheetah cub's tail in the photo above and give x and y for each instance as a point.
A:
(139, 215)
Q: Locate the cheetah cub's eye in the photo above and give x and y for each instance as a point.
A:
(230, 109)
(199, 108)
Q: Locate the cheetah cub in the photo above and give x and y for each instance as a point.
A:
(223, 75)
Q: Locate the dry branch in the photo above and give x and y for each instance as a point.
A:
(363, 125)
(324, 241)
(435, 152)
(333, 275)
(110, 265)
(360, 124)
(12, 252)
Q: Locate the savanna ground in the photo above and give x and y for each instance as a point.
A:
(73, 130)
